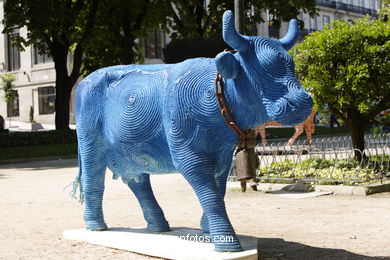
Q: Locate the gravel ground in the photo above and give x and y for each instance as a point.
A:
(34, 210)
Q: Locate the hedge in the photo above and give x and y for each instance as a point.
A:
(20, 139)
(37, 152)
(327, 171)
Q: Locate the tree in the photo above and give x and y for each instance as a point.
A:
(56, 28)
(384, 11)
(119, 23)
(7, 86)
(347, 67)
(197, 19)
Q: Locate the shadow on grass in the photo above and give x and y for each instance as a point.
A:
(280, 249)
(42, 164)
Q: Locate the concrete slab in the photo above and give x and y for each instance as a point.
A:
(180, 243)
(335, 189)
(299, 195)
(342, 189)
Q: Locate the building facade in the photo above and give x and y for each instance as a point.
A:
(35, 75)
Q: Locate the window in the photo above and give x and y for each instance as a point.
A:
(46, 100)
(350, 2)
(153, 46)
(325, 20)
(13, 53)
(13, 106)
(41, 58)
(372, 4)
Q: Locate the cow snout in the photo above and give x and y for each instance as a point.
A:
(291, 109)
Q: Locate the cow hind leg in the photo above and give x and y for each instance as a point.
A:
(152, 211)
(93, 168)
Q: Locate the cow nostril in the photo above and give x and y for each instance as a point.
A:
(278, 108)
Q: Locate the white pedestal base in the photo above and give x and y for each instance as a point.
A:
(172, 245)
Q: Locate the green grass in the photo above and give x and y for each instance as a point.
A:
(27, 153)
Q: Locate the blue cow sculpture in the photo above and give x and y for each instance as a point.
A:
(139, 120)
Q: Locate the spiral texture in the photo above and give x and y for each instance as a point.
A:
(152, 119)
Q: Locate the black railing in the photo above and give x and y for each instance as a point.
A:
(325, 3)
(346, 7)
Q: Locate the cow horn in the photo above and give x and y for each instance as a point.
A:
(230, 35)
(291, 37)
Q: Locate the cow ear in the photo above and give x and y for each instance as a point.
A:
(227, 65)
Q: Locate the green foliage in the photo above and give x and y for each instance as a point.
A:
(7, 86)
(20, 139)
(49, 22)
(384, 12)
(31, 115)
(119, 23)
(347, 171)
(182, 49)
(347, 67)
(55, 28)
(26, 153)
(194, 18)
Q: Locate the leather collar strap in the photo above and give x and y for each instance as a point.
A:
(219, 93)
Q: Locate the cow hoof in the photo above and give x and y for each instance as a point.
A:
(235, 247)
(227, 244)
(96, 225)
(204, 224)
(159, 227)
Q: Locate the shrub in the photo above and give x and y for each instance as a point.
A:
(18, 139)
(323, 171)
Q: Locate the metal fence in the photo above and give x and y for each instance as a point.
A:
(324, 160)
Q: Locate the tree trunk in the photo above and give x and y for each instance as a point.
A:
(63, 92)
(64, 87)
(127, 54)
(357, 123)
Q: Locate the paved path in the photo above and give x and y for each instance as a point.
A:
(34, 210)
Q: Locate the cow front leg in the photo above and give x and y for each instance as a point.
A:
(153, 213)
(93, 169)
(204, 224)
(198, 171)
(221, 180)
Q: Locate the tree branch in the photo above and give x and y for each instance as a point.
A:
(77, 60)
(383, 105)
(140, 17)
(78, 53)
(176, 18)
(334, 110)
(90, 24)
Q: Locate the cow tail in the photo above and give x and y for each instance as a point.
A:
(77, 183)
